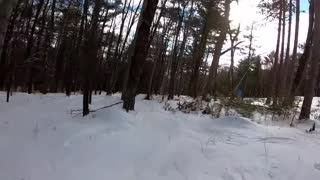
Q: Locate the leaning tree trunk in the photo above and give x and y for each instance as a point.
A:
(139, 53)
(315, 58)
(210, 83)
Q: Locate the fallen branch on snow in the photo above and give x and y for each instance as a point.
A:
(105, 107)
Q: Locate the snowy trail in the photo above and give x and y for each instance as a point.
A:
(40, 140)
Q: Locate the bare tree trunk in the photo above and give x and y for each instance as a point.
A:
(274, 70)
(8, 37)
(29, 81)
(198, 56)
(42, 26)
(233, 39)
(280, 75)
(117, 55)
(162, 43)
(303, 61)
(291, 64)
(6, 6)
(90, 55)
(140, 52)
(211, 79)
(174, 63)
(315, 59)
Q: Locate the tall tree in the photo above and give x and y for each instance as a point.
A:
(210, 84)
(139, 53)
(211, 17)
(90, 55)
(314, 69)
(303, 61)
(174, 63)
(280, 74)
(6, 7)
(233, 35)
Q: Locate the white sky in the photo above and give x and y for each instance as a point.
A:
(265, 34)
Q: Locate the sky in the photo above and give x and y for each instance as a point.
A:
(265, 33)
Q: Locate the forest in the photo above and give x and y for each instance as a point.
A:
(166, 47)
(159, 89)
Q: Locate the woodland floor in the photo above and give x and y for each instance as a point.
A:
(41, 140)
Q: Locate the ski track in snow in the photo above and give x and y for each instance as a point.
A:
(39, 139)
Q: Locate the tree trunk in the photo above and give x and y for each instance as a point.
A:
(232, 51)
(274, 69)
(174, 63)
(90, 55)
(198, 56)
(210, 83)
(29, 81)
(280, 73)
(6, 6)
(117, 55)
(8, 37)
(303, 61)
(158, 58)
(139, 53)
(315, 58)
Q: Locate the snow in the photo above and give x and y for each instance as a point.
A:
(41, 140)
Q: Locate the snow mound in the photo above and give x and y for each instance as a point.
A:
(41, 140)
(234, 122)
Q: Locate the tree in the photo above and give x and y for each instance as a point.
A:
(233, 35)
(90, 55)
(314, 69)
(211, 19)
(303, 61)
(139, 53)
(174, 63)
(210, 84)
(6, 6)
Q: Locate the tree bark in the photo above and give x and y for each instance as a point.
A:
(314, 71)
(210, 83)
(174, 63)
(274, 70)
(233, 39)
(29, 81)
(303, 61)
(6, 6)
(90, 55)
(5, 44)
(198, 56)
(117, 55)
(139, 53)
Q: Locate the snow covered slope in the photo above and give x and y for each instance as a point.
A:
(40, 140)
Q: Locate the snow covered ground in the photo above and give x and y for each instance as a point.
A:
(41, 140)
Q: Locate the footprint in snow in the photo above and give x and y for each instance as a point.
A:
(317, 166)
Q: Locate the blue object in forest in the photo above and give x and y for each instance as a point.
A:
(239, 93)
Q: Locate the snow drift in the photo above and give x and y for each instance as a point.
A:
(41, 140)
